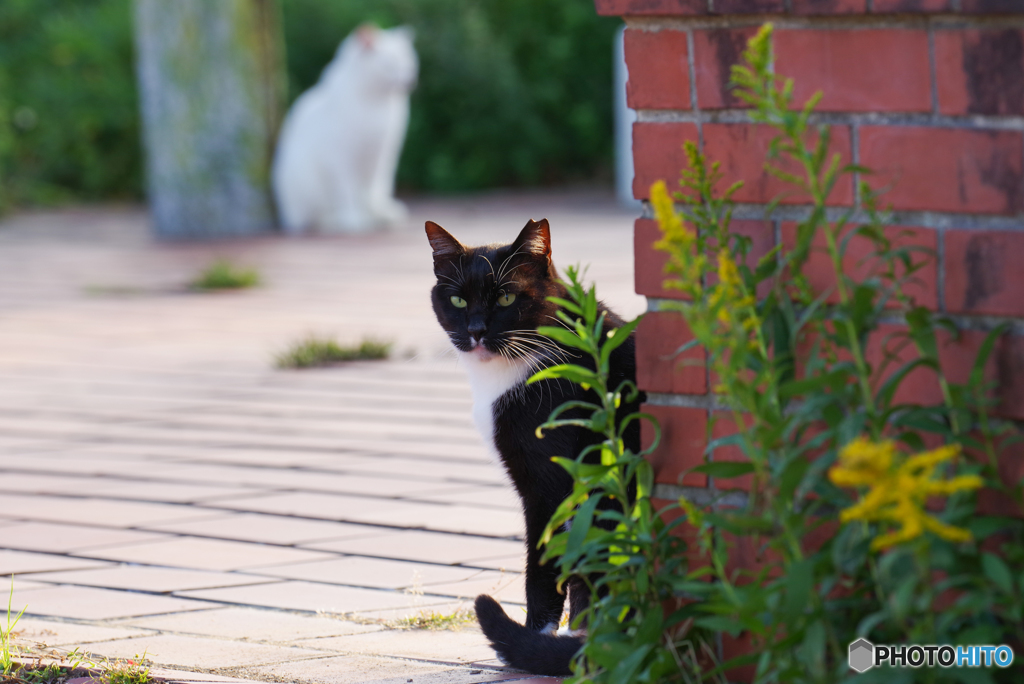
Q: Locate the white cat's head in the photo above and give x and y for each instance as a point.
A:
(384, 57)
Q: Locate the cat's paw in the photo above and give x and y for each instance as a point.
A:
(551, 629)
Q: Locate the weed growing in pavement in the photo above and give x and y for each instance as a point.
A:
(126, 671)
(7, 648)
(428, 619)
(224, 275)
(314, 351)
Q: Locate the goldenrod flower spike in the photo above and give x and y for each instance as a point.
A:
(898, 491)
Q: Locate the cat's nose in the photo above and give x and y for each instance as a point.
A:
(476, 329)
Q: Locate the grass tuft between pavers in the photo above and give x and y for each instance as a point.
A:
(314, 351)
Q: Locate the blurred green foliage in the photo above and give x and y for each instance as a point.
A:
(512, 92)
(69, 121)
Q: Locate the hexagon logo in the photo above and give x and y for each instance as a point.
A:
(862, 655)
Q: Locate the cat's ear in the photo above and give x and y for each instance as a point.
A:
(534, 239)
(367, 35)
(441, 241)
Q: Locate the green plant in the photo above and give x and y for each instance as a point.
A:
(126, 671)
(908, 556)
(433, 621)
(224, 275)
(632, 632)
(314, 351)
(8, 651)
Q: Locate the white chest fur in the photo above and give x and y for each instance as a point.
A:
(489, 380)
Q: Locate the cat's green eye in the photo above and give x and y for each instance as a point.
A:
(458, 302)
(506, 300)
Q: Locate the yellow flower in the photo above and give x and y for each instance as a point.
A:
(898, 490)
(727, 272)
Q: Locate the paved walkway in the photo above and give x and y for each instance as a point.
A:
(164, 490)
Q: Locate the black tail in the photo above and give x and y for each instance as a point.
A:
(523, 648)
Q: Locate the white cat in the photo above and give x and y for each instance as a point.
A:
(337, 154)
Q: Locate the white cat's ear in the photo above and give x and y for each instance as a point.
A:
(441, 241)
(535, 239)
(367, 35)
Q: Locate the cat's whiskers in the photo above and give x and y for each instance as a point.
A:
(493, 277)
(456, 283)
(501, 269)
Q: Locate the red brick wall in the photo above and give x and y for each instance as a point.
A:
(930, 93)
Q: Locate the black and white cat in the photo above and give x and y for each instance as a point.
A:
(490, 300)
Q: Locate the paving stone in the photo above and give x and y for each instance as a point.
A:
(181, 651)
(450, 518)
(499, 496)
(250, 624)
(147, 578)
(505, 587)
(19, 562)
(455, 646)
(86, 603)
(186, 677)
(433, 547)
(367, 670)
(372, 572)
(57, 538)
(309, 596)
(89, 511)
(70, 634)
(170, 492)
(207, 554)
(137, 402)
(315, 505)
(270, 529)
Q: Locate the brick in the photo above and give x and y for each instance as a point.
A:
(659, 368)
(659, 69)
(957, 354)
(1005, 368)
(742, 150)
(734, 647)
(901, 6)
(618, 8)
(748, 6)
(942, 169)
(649, 263)
(980, 72)
(658, 154)
(991, 7)
(868, 70)
(858, 264)
(715, 52)
(829, 6)
(683, 438)
(983, 274)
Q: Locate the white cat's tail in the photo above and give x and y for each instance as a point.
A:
(537, 652)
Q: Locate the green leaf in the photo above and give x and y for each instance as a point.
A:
(580, 526)
(577, 374)
(978, 370)
(567, 305)
(799, 582)
(996, 570)
(565, 336)
(617, 338)
(725, 468)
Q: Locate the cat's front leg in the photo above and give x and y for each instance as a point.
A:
(543, 601)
